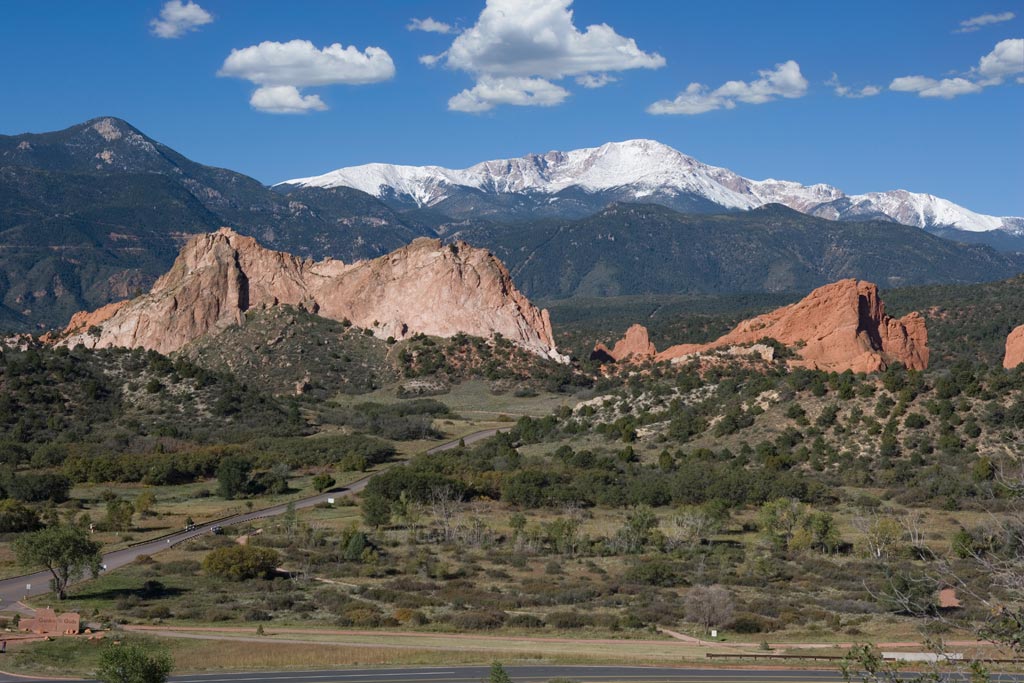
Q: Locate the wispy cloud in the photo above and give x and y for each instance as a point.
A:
(853, 93)
(595, 80)
(430, 25)
(974, 23)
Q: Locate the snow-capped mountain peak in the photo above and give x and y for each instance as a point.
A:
(925, 210)
(650, 171)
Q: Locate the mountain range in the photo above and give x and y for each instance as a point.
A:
(579, 182)
(97, 212)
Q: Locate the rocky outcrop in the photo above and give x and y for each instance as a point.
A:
(838, 327)
(1014, 348)
(635, 344)
(425, 287)
(85, 320)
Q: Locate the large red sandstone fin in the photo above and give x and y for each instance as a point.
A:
(425, 287)
(1014, 348)
(841, 326)
(635, 345)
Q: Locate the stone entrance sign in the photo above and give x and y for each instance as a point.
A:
(48, 622)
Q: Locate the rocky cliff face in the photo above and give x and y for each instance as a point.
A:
(838, 327)
(1014, 348)
(425, 287)
(635, 345)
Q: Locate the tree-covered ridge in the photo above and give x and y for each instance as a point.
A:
(288, 351)
(749, 436)
(630, 249)
(120, 397)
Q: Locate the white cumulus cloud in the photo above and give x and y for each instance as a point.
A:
(1005, 60)
(785, 80)
(430, 25)
(975, 23)
(299, 63)
(531, 43)
(285, 99)
(523, 92)
(947, 88)
(595, 80)
(852, 93)
(178, 18)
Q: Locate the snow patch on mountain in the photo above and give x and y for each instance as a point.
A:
(923, 210)
(647, 169)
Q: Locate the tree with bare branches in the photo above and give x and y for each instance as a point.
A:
(445, 506)
(709, 606)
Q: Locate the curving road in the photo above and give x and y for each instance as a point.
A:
(19, 587)
(468, 439)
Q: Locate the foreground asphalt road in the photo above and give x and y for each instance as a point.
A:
(529, 674)
(20, 587)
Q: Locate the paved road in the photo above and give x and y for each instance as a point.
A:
(524, 674)
(531, 674)
(19, 587)
(468, 439)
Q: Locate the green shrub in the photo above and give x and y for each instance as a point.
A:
(752, 623)
(568, 620)
(525, 621)
(241, 562)
(479, 620)
(134, 662)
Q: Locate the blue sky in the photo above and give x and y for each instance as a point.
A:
(64, 62)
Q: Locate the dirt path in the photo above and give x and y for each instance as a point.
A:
(683, 637)
(213, 631)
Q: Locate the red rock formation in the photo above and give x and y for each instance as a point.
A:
(636, 344)
(838, 327)
(1014, 348)
(83, 320)
(841, 326)
(424, 287)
